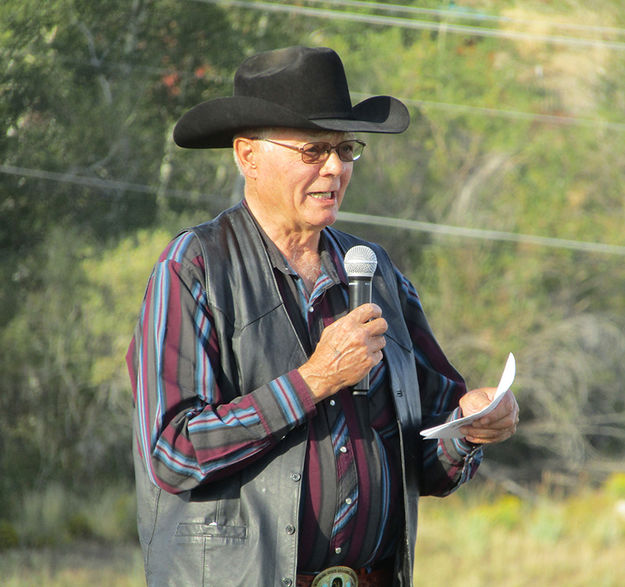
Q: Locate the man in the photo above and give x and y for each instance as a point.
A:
(255, 462)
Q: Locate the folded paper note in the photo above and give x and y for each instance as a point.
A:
(452, 429)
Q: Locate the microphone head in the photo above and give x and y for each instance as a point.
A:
(360, 261)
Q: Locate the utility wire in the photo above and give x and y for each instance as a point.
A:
(547, 118)
(95, 182)
(418, 24)
(513, 114)
(404, 23)
(478, 233)
(462, 13)
(369, 219)
(492, 112)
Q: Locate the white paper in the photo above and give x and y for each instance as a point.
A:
(452, 429)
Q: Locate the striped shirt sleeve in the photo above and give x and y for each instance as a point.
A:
(187, 433)
(447, 463)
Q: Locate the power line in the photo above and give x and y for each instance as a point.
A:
(95, 182)
(478, 233)
(418, 24)
(518, 115)
(493, 112)
(462, 13)
(488, 111)
(369, 219)
(122, 66)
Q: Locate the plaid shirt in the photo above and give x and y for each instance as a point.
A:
(351, 510)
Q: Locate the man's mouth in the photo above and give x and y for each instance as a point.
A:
(321, 195)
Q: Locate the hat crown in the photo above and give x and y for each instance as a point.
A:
(296, 87)
(310, 81)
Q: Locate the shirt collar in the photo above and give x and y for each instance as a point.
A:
(330, 254)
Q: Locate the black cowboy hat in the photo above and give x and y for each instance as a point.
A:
(295, 87)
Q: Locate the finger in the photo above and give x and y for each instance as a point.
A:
(495, 432)
(508, 420)
(506, 413)
(366, 312)
(380, 342)
(376, 327)
(474, 401)
(486, 435)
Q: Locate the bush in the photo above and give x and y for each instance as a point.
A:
(8, 535)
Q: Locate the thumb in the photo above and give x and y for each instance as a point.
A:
(475, 400)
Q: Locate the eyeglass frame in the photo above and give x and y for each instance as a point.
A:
(302, 150)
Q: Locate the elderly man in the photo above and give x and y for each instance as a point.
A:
(256, 464)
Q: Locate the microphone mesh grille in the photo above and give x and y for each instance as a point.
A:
(360, 261)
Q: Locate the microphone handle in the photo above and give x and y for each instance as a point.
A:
(360, 293)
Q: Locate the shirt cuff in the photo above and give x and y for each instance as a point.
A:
(303, 392)
(460, 448)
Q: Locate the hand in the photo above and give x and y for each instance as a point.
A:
(347, 350)
(498, 425)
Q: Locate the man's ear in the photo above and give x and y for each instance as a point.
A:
(245, 156)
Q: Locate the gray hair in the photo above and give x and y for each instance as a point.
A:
(261, 133)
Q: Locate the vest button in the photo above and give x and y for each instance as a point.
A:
(290, 529)
(287, 581)
(295, 476)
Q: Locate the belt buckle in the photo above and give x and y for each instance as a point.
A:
(336, 577)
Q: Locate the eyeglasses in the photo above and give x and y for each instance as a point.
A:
(347, 151)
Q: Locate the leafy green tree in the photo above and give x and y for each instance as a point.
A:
(92, 187)
(90, 93)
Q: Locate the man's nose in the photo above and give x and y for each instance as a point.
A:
(333, 163)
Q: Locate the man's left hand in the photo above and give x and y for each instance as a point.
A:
(498, 425)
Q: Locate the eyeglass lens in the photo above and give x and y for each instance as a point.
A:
(347, 151)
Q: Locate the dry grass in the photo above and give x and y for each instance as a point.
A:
(76, 565)
(474, 538)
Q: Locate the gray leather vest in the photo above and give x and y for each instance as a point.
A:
(243, 530)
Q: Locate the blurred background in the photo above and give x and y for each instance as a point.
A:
(503, 202)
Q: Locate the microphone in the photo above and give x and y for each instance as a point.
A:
(360, 264)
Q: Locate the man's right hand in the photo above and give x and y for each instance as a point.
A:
(347, 350)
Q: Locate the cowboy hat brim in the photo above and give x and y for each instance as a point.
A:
(213, 124)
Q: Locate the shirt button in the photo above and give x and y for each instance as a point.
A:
(290, 529)
(332, 402)
(343, 449)
(311, 309)
(338, 550)
(348, 501)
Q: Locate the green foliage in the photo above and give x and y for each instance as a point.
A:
(615, 485)
(43, 516)
(8, 535)
(117, 281)
(505, 511)
(90, 93)
(496, 539)
(70, 397)
(54, 516)
(501, 539)
(92, 188)
(78, 527)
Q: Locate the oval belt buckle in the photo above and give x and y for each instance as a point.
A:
(336, 577)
